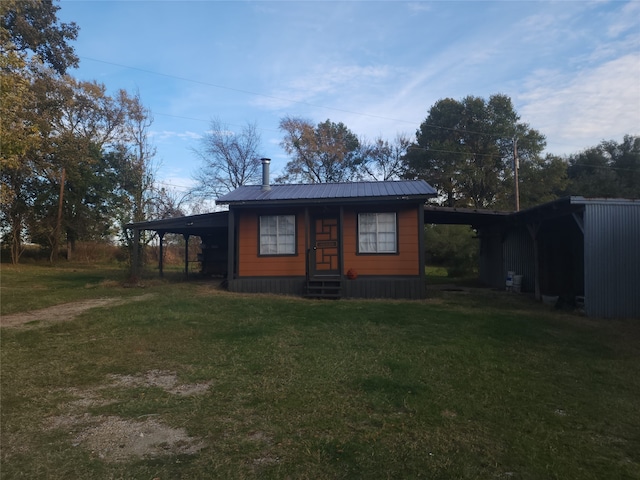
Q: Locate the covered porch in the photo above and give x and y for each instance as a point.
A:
(211, 228)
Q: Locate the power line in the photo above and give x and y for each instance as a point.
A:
(273, 97)
(248, 92)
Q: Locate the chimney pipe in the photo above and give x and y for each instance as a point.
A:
(265, 173)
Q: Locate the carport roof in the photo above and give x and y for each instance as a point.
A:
(191, 225)
(463, 216)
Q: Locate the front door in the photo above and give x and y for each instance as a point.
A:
(325, 246)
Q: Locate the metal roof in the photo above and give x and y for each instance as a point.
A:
(330, 192)
(463, 216)
(192, 225)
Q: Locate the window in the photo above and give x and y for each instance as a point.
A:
(277, 235)
(377, 233)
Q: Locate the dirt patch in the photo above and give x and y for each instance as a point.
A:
(64, 312)
(168, 381)
(116, 439)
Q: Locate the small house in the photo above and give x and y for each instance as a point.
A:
(360, 239)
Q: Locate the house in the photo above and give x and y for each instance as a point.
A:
(361, 239)
(366, 240)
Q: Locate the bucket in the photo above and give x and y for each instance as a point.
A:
(509, 282)
(517, 283)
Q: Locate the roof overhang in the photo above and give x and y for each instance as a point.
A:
(413, 199)
(463, 216)
(191, 225)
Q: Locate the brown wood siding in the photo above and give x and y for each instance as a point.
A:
(405, 262)
(251, 264)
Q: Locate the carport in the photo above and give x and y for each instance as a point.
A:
(212, 228)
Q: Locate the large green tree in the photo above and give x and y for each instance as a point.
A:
(32, 26)
(75, 161)
(542, 179)
(327, 152)
(610, 169)
(31, 39)
(466, 150)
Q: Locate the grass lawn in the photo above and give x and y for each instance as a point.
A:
(471, 384)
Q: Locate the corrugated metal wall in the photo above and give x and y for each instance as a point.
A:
(518, 257)
(612, 260)
(502, 252)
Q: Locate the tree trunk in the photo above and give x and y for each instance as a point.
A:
(56, 232)
(16, 244)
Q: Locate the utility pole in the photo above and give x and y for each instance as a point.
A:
(516, 166)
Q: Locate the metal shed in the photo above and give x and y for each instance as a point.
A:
(572, 248)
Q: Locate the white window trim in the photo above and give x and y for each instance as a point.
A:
(282, 248)
(374, 248)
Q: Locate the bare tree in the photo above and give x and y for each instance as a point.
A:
(230, 159)
(384, 159)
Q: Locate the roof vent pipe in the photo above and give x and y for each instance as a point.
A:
(265, 173)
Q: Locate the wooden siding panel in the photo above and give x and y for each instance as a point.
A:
(405, 262)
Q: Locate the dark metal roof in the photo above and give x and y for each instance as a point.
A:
(191, 225)
(330, 192)
(463, 216)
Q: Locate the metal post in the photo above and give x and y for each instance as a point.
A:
(186, 254)
(231, 245)
(135, 255)
(516, 166)
(161, 260)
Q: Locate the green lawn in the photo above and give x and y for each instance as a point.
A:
(474, 384)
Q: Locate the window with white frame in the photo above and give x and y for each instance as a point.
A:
(277, 235)
(377, 233)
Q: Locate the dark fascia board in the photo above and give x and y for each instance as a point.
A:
(186, 224)
(547, 211)
(416, 199)
(436, 214)
(576, 200)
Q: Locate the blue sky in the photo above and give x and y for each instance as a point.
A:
(572, 68)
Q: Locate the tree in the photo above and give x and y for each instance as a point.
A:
(20, 134)
(465, 149)
(30, 37)
(84, 120)
(542, 180)
(383, 160)
(229, 159)
(609, 169)
(32, 26)
(328, 152)
(452, 246)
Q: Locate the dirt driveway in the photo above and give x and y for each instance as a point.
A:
(112, 438)
(64, 312)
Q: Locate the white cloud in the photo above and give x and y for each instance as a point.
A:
(627, 20)
(419, 7)
(578, 111)
(334, 80)
(165, 135)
